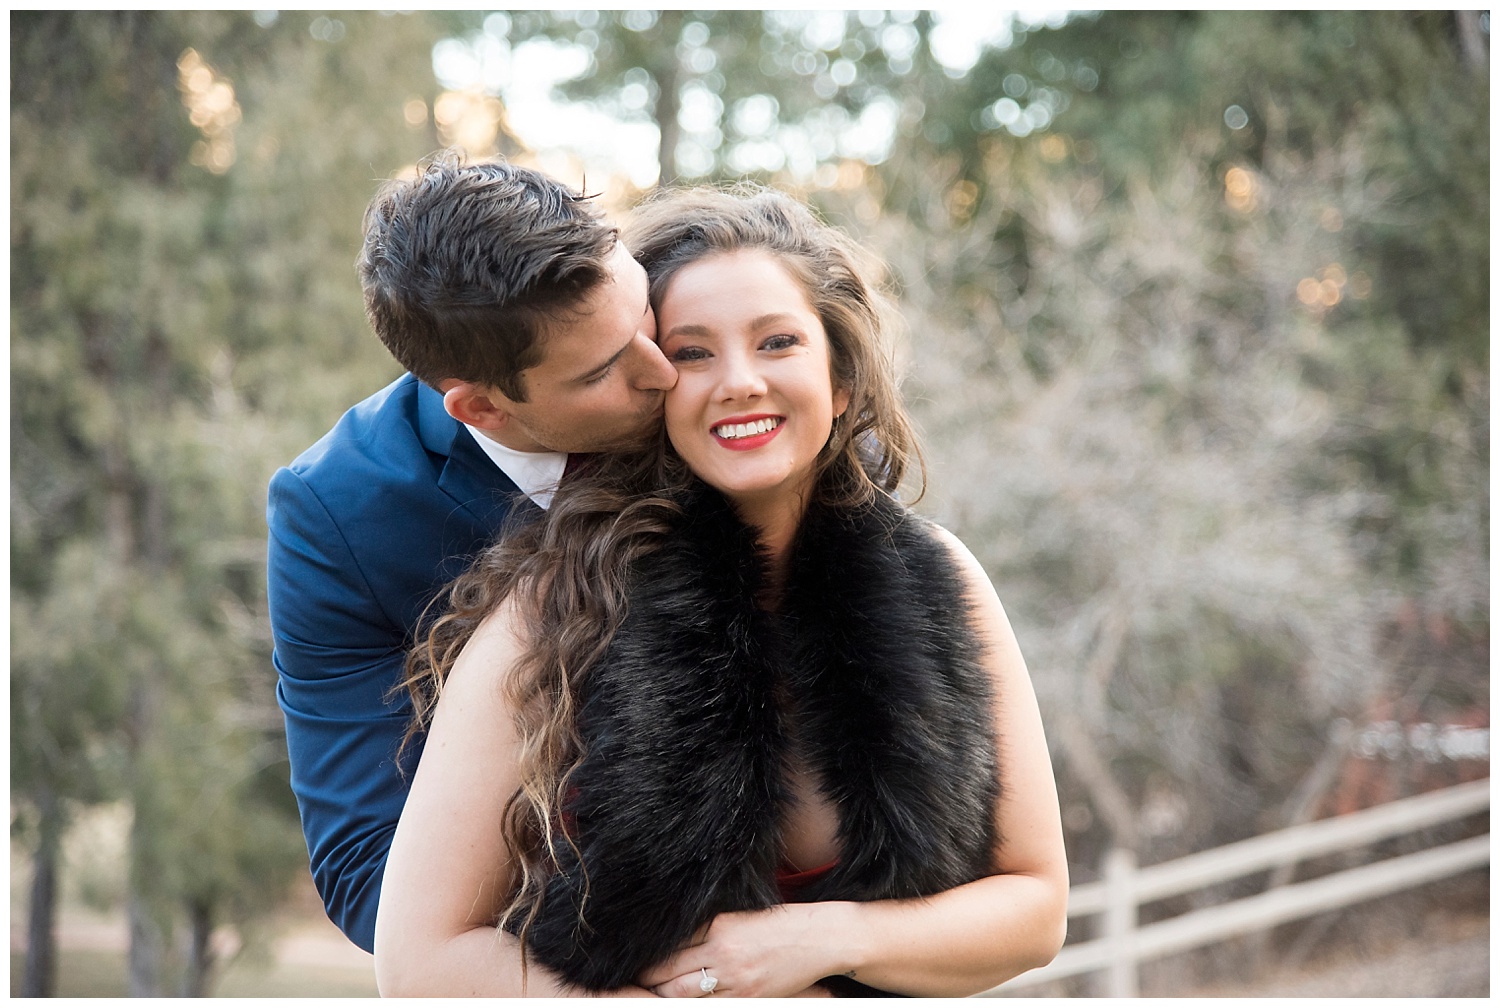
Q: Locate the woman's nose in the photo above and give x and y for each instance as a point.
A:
(739, 377)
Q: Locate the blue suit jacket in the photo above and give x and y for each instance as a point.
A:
(365, 527)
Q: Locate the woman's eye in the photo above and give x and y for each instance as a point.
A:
(685, 354)
(784, 341)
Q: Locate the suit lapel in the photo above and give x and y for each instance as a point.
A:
(468, 475)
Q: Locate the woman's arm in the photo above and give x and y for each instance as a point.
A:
(449, 867)
(958, 942)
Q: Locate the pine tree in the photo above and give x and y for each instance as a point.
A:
(187, 192)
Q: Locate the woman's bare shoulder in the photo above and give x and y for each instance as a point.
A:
(492, 652)
(988, 611)
(968, 564)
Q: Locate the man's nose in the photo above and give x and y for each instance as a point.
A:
(653, 371)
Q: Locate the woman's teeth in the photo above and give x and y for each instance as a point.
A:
(742, 430)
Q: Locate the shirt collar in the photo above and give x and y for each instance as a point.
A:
(536, 473)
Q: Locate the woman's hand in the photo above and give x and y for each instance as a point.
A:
(779, 952)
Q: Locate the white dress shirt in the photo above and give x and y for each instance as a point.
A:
(536, 473)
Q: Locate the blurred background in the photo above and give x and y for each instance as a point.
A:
(1198, 341)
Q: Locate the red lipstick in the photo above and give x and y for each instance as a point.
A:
(750, 441)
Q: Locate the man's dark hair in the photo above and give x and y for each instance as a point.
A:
(464, 266)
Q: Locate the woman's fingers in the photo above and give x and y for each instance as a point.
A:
(701, 983)
(676, 965)
(751, 953)
(681, 962)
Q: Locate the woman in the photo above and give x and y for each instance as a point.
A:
(730, 720)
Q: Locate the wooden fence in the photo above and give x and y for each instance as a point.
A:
(1118, 896)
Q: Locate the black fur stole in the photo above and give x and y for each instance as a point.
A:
(688, 722)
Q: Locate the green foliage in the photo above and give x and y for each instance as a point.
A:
(1390, 88)
(181, 326)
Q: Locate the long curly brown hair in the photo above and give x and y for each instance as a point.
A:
(567, 573)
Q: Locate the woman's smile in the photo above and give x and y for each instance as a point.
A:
(748, 433)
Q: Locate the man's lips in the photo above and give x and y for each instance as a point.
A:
(745, 433)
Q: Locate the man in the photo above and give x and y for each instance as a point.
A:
(526, 332)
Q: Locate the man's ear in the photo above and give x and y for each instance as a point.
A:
(476, 405)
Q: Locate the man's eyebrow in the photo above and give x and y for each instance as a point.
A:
(593, 373)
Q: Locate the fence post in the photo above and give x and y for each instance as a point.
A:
(1119, 922)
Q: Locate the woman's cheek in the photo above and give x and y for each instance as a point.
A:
(676, 415)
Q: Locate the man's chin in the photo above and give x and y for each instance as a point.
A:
(643, 438)
(646, 440)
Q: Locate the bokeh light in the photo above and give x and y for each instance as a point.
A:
(1326, 290)
(212, 108)
(469, 120)
(1240, 189)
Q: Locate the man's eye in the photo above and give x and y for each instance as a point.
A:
(600, 376)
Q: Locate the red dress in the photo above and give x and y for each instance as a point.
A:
(792, 882)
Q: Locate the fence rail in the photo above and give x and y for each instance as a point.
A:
(1124, 888)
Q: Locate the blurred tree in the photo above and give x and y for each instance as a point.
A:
(65, 699)
(1177, 278)
(186, 197)
(1249, 88)
(734, 93)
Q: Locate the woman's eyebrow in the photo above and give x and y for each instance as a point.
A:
(772, 318)
(688, 329)
(759, 322)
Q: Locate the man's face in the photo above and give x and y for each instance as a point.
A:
(601, 380)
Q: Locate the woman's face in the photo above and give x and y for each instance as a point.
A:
(754, 400)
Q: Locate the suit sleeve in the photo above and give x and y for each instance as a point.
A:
(337, 657)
